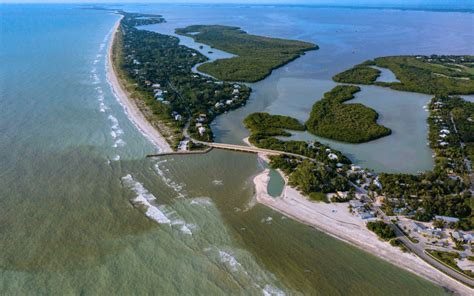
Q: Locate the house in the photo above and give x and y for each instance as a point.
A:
(417, 227)
(201, 130)
(235, 91)
(447, 219)
(156, 85)
(355, 204)
(178, 117)
(198, 124)
(444, 131)
(229, 102)
(332, 156)
(218, 105)
(355, 167)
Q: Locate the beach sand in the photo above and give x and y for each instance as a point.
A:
(131, 109)
(335, 219)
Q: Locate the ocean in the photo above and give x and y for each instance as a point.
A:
(82, 211)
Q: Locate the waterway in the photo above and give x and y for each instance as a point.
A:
(71, 162)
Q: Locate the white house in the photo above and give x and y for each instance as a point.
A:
(201, 130)
(332, 156)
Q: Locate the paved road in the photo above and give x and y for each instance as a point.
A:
(420, 252)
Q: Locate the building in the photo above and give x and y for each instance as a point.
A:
(332, 156)
(201, 130)
(447, 219)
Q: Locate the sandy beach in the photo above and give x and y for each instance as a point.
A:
(131, 109)
(334, 219)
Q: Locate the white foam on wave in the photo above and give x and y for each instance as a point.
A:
(267, 220)
(103, 107)
(116, 158)
(95, 78)
(178, 188)
(202, 201)
(270, 290)
(116, 132)
(144, 198)
(230, 261)
(217, 182)
(119, 143)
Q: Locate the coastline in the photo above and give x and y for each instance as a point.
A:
(335, 220)
(131, 109)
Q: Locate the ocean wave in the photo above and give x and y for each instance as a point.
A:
(230, 261)
(202, 201)
(116, 158)
(178, 188)
(217, 182)
(119, 143)
(270, 290)
(144, 198)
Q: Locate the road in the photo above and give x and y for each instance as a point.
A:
(420, 251)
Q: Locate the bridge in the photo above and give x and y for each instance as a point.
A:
(231, 147)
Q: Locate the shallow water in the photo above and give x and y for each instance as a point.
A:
(385, 75)
(72, 161)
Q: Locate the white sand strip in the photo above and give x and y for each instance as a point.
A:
(131, 109)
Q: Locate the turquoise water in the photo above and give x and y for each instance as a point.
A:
(276, 184)
(72, 162)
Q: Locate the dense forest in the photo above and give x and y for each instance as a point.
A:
(354, 123)
(256, 56)
(437, 75)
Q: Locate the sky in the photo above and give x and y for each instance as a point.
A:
(409, 4)
(325, 2)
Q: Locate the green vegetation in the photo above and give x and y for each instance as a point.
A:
(313, 177)
(445, 190)
(360, 74)
(438, 75)
(256, 56)
(382, 229)
(157, 73)
(449, 258)
(265, 128)
(353, 123)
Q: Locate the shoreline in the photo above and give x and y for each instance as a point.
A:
(131, 109)
(335, 220)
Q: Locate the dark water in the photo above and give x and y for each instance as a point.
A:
(71, 162)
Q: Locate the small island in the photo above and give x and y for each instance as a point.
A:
(256, 56)
(353, 123)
